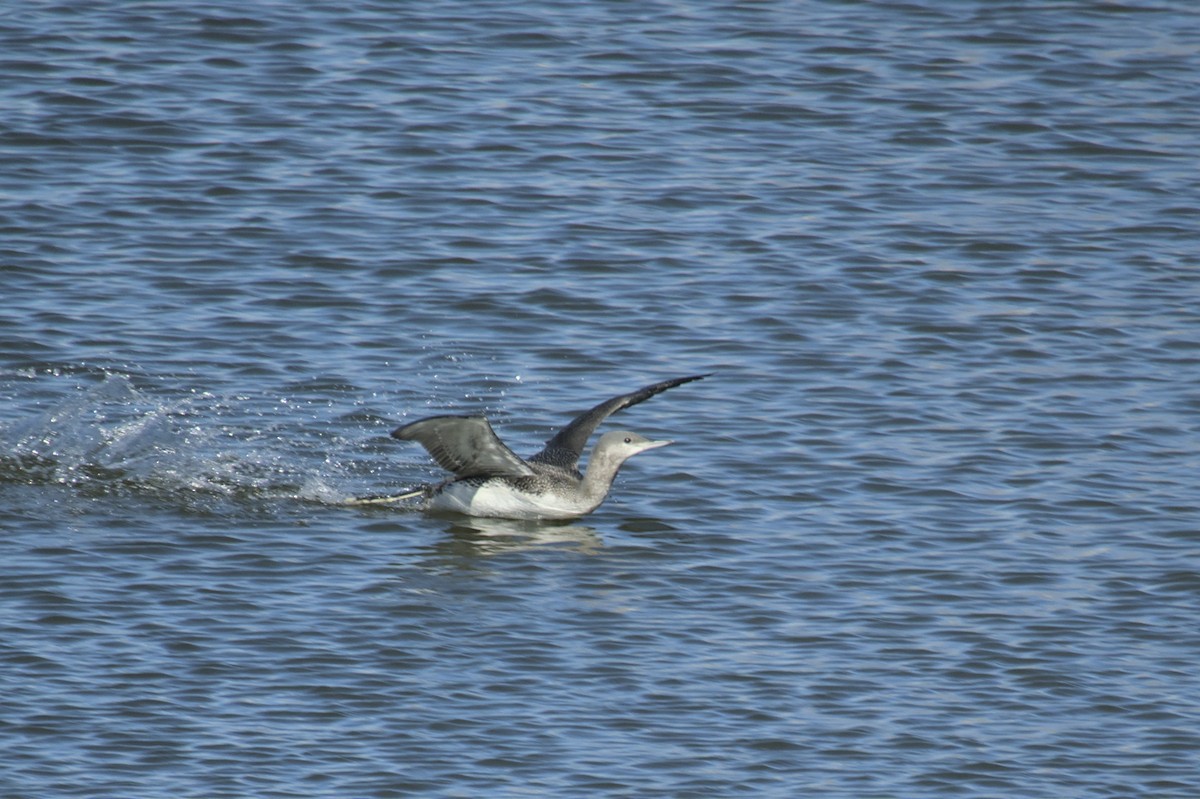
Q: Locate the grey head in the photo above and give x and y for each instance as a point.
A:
(619, 446)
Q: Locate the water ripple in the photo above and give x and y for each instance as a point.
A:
(929, 530)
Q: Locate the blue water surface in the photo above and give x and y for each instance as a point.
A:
(932, 527)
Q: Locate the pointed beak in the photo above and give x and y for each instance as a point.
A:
(657, 444)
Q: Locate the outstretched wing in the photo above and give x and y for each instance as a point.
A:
(567, 445)
(465, 445)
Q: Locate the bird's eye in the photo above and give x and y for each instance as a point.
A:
(628, 440)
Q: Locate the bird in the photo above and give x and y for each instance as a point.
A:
(491, 480)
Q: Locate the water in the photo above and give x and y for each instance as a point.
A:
(932, 528)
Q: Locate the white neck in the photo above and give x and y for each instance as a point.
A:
(602, 469)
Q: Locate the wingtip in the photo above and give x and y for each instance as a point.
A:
(404, 431)
(384, 499)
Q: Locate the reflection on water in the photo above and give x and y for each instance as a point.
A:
(497, 536)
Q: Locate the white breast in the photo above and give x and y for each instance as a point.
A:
(500, 500)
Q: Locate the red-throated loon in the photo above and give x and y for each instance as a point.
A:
(491, 480)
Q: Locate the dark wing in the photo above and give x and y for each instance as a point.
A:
(465, 445)
(567, 445)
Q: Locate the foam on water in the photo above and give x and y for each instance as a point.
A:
(108, 436)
